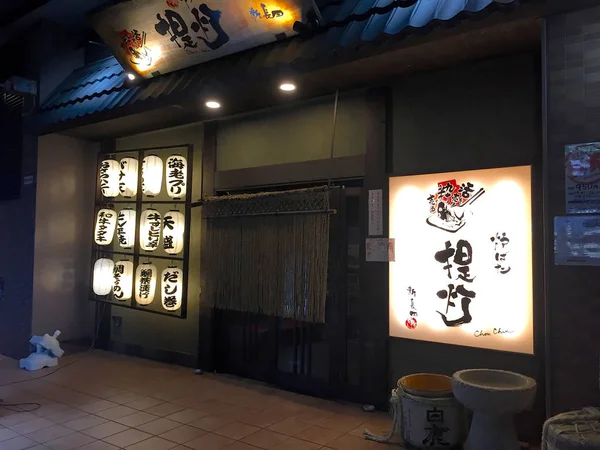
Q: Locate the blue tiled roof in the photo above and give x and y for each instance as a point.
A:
(102, 86)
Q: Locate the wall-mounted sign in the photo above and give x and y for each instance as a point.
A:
(376, 212)
(463, 269)
(577, 240)
(153, 37)
(582, 178)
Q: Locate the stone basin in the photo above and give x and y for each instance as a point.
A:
(494, 396)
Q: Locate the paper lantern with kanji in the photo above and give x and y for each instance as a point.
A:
(176, 176)
(103, 276)
(106, 221)
(150, 224)
(128, 177)
(126, 228)
(145, 283)
(109, 178)
(171, 288)
(173, 229)
(123, 280)
(152, 172)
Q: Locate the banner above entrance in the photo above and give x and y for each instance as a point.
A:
(154, 37)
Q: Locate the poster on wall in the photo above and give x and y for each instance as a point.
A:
(463, 269)
(577, 241)
(582, 178)
(154, 37)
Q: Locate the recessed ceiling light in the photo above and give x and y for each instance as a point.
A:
(212, 104)
(287, 87)
(131, 76)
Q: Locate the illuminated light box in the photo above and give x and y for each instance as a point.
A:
(154, 37)
(463, 269)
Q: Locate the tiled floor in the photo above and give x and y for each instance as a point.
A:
(103, 401)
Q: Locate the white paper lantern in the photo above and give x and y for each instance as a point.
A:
(109, 178)
(126, 228)
(152, 171)
(145, 283)
(173, 229)
(123, 280)
(128, 177)
(176, 176)
(150, 225)
(106, 221)
(103, 276)
(171, 288)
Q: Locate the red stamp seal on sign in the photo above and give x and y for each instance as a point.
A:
(411, 323)
(173, 3)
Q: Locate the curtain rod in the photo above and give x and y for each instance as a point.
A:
(282, 213)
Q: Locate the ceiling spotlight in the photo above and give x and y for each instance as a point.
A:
(212, 104)
(287, 87)
(131, 76)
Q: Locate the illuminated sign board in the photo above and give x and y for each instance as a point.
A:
(463, 269)
(153, 37)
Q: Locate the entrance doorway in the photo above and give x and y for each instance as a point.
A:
(319, 359)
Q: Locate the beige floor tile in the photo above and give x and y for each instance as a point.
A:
(183, 434)
(49, 434)
(136, 419)
(187, 415)
(70, 442)
(15, 418)
(211, 423)
(105, 430)
(350, 442)
(144, 403)
(51, 409)
(319, 435)
(236, 430)
(159, 426)
(117, 412)
(31, 426)
(240, 446)
(258, 419)
(209, 441)
(83, 423)
(6, 434)
(127, 438)
(265, 439)
(297, 444)
(67, 415)
(96, 407)
(18, 443)
(165, 409)
(313, 416)
(98, 445)
(154, 443)
(38, 447)
(125, 398)
(343, 423)
(215, 407)
(290, 427)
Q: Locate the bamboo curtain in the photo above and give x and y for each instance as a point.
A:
(268, 253)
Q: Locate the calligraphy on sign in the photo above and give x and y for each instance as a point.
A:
(106, 221)
(126, 228)
(464, 245)
(153, 37)
(150, 225)
(109, 178)
(176, 176)
(171, 287)
(145, 283)
(123, 280)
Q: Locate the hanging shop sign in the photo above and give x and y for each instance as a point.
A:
(109, 178)
(150, 225)
(145, 283)
(126, 228)
(172, 288)
(103, 276)
(123, 280)
(128, 177)
(463, 269)
(173, 229)
(582, 178)
(176, 176)
(106, 221)
(154, 37)
(152, 172)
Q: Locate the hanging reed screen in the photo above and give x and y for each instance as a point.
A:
(268, 253)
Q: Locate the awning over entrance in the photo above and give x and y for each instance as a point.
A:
(101, 88)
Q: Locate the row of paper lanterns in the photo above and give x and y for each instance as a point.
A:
(152, 226)
(121, 177)
(117, 278)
